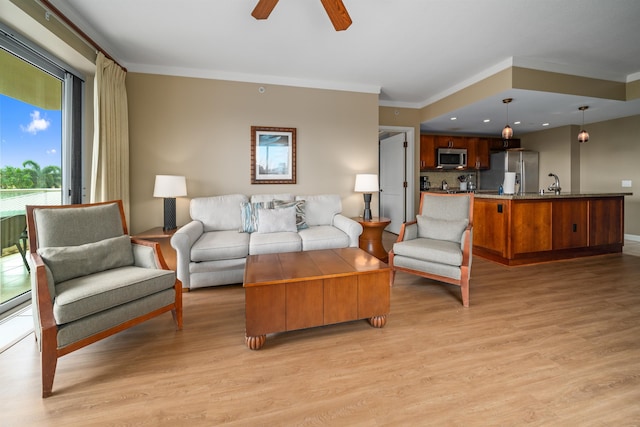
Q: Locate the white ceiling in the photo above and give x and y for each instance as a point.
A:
(411, 52)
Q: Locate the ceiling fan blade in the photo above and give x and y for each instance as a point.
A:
(263, 9)
(337, 14)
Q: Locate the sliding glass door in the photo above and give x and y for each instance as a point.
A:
(36, 152)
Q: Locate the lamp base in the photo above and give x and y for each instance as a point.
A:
(367, 207)
(169, 214)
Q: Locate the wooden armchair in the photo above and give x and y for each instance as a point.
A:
(90, 280)
(437, 245)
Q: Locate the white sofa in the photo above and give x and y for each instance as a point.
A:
(211, 249)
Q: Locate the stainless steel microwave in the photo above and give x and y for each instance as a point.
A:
(452, 158)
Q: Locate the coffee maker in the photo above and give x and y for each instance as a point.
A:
(425, 185)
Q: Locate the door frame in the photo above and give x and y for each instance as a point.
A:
(410, 166)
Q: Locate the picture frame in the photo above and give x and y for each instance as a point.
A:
(273, 155)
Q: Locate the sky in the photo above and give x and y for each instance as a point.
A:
(29, 133)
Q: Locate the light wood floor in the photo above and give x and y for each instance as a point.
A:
(550, 344)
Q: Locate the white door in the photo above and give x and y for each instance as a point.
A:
(393, 170)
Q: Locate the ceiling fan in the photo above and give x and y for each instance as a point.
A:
(335, 9)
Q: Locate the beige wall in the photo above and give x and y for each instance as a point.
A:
(200, 128)
(599, 166)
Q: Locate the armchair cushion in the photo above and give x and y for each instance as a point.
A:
(68, 262)
(435, 251)
(87, 295)
(441, 229)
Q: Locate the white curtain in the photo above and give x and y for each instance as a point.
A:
(110, 164)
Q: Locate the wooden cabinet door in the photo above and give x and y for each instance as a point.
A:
(606, 221)
(490, 225)
(444, 141)
(530, 227)
(478, 153)
(569, 224)
(427, 152)
(499, 144)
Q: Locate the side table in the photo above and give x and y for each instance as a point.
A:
(157, 234)
(371, 237)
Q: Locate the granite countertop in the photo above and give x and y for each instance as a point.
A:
(546, 195)
(484, 194)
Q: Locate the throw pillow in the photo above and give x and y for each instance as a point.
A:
(441, 229)
(301, 217)
(249, 216)
(68, 262)
(277, 220)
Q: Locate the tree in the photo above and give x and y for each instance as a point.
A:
(11, 177)
(35, 171)
(52, 176)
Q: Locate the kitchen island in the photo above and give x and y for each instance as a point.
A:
(533, 228)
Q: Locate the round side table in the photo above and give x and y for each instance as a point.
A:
(371, 237)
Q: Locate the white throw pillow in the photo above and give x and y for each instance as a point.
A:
(277, 220)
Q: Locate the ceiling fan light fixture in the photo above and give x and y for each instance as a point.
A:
(583, 136)
(507, 132)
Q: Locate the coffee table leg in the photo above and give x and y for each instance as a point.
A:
(255, 343)
(378, 321)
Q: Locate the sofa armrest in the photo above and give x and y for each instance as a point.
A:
(350, 227)
(182, 241)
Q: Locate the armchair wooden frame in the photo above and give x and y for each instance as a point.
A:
(50, 352)
(465, 267)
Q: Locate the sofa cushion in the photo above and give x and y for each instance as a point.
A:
(271, 197)
(84, 296)
(270, 243)
(249, 215)
(323, 237)
(216, 245)
(436, 251)
(219, 212)
(320, 209)
(441, 229)
(277, 220)
(68, 262)
(299, 205)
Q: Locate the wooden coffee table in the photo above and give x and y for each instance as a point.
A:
(297, 290)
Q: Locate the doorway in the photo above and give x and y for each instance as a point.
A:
(397, 185)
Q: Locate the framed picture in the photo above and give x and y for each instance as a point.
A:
(273, 155)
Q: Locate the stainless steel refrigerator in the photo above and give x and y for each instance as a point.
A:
(523, 162)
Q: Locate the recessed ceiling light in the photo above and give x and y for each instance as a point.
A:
(486, 120)
(545, 124)
(454, 118)
(516, 123)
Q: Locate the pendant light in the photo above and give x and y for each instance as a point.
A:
(583, 136)
(507, 132)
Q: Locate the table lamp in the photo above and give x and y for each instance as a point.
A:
(367, 183)
(169, 187)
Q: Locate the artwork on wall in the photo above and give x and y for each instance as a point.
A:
(273, 155)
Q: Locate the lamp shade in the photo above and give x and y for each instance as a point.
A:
(170, 186)
(367, 183)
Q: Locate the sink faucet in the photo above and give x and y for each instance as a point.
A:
(555, 187)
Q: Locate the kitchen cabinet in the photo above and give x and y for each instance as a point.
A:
(606, 225)
(428, 152)
(478, 150)
(478, 153)
(519, 230)
(444, 141)
(569, 224)
(499, 144)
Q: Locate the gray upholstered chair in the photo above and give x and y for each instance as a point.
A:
(90, 280)
(437, 245)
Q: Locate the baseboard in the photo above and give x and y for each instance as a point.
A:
(632, 237)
